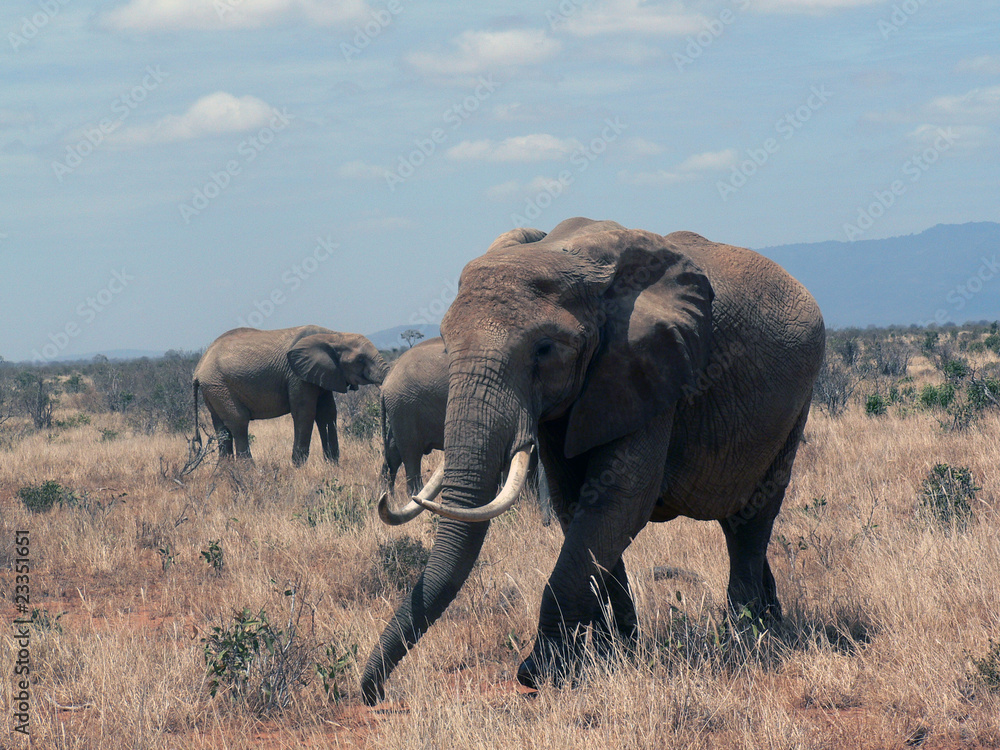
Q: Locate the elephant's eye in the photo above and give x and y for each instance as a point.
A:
(543, 349)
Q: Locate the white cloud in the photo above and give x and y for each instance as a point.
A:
(957, 138)
(640, 147)
(523, 148)
(214, 114)
(811, 6)
(359, 170)
(978, 104)
(168, 15)
(634, 17)
(514, 189)
(659, 178)
(483, 51)
(984, 65)
(709, 160)
(687, 170)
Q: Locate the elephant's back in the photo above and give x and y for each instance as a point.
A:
(415, 392)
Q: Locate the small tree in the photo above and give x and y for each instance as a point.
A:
(410, 335)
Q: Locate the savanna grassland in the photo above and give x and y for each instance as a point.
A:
(200, 607)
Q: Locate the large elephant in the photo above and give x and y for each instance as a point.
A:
(250, 374)
(414, 397)
(660, 376)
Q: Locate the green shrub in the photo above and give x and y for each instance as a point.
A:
(333, 503)
(942, 395)
(213, 556)
(956, 369)
(77, 420)
(875, 405)
(256, 663)
(947, 495)
(992, 342)
(988, 668)
(366, 422)
(43, 497)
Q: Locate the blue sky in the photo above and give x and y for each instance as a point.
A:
(174, 168)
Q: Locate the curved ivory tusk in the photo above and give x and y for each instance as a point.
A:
(501, 504)
(413, 508)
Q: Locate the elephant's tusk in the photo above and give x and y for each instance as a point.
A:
(516, 479)
(413, 508)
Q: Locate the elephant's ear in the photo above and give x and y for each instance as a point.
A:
(316, 359)
(520, 236)
(655, 340)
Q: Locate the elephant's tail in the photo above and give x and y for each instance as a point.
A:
(197, 433)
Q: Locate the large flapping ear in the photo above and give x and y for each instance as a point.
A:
(316, 359)
(655, 338)
(519, 236)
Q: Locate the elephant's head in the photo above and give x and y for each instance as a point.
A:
(337, 361)
(586, 334)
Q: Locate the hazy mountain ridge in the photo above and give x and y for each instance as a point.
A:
(948, 273)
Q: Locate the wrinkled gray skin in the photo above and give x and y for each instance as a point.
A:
(661, 376)
(250, 374)
(414, 398)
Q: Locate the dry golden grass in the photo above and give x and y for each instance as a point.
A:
(883, 612)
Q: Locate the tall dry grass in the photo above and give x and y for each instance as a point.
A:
(884, 611)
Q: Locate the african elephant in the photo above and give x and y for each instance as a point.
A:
(414, 396)
(414, 399)
(251, 374)
(660, 376)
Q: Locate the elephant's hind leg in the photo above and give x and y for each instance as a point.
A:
(326, 421)
(223, 435)
(751, 582)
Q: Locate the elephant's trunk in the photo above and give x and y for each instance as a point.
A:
(479, 436)
(378, 370)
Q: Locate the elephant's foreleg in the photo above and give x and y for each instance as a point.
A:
(303, 417)
(614, 503)
(414, 479)
(326, 421)
(615, 616)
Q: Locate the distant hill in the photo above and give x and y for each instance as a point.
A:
(948, 273)
(389, 338)
(113, 354)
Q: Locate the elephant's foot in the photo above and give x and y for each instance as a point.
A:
(372, 691)
(550, 661)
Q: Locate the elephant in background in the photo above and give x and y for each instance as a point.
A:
(414, 398)
(659, 376)
(250, 374)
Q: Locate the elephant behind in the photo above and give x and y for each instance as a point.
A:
(414, 397)
(659, 376)
(250, 374)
